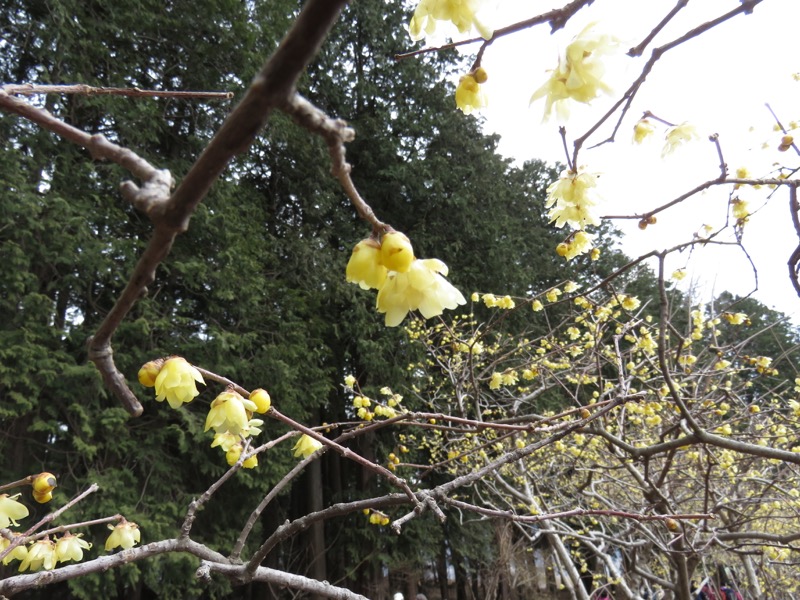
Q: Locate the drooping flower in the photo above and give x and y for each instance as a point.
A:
(41, 555)
(43, 485)
(11, 510)
(579, 74)
(71, 547)
(677, 136)
(365, 267)
(571, 199)
(642, 130)
(18, 553)
(233, 454)
(469, 94)
(422, 288)
(306, 446)
(124, 535)
(579, 243)
(176, 382)
(462, 13)
(228, 412)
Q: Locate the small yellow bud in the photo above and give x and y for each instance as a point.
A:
(44, 482)
(149, 372)
(480, 75)
(261, 399)
(672, 525)
(396, 252)
(42, 497)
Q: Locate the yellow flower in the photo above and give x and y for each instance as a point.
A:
(571, 199)
(462, 13)
(629, 303)
(41, 554)
(579, 243)
(740, 210)
(306, 446)
(536, 305)
(735, 318)
(124, 535)
(570, 286)
(422, 288)
(261, 399)
(176, 382)
(496, 381)
(364, 266)
(677, 136)
(18, 553)
(553, 294)
(396, 252)
(469, 95)
(225, 440)
(229, 413)
(679, 274)
(234, 452)
(349, 381)
(579, 73)
(149, 372)
(642, 130)
(11, 510)
(71, 547)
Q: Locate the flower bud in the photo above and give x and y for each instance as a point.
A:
(261, 399)
(149, 372)
(397, 253)
(44, 482)
(480, 75)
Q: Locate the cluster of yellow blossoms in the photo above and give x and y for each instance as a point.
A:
(46, 553)
(571, 200)
(404, 283)
(230, 415)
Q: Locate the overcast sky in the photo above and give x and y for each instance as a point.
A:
(719, 82)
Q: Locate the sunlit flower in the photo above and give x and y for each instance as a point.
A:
(677, 136)
(422, 288)
(537, 305)
(124, 535)
(365, 267)
(679, 274)
(306, 446)
(571, 199)
(642, 130)
(41, 555)
(176, 382)
(469, 94)
(462, 13)
(71, 547)
(11, 510)
(579, 75)
(552, 294)
(18, 553)
(629, 302)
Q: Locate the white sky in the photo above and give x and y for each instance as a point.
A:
(720, 82)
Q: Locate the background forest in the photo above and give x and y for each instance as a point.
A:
(255, 291)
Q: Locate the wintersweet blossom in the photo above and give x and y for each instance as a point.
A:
(306, 446)
(469, 94)
(11, 510)
(642, 130)
(579, 74)
(422, 288)
(176, 382)
(41, 555)
(71, 547)
(124, 535)
(461, 13)
(579, 243)
(18, 553)
(740, 210)
(261, 399)
(572, 198)
(677, 136)
(229, 412)
(364, 266)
